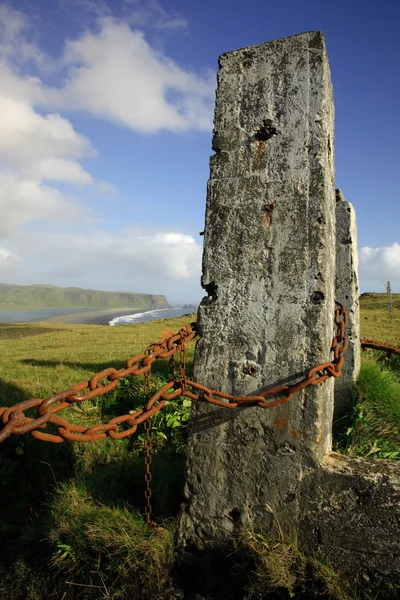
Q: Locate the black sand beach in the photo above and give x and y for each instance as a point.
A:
(93, 317)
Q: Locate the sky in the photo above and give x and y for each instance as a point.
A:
(106, 112)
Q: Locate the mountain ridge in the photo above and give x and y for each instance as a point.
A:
(51, 296)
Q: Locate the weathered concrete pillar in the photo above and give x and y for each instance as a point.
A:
(347, 291)
(269, 270)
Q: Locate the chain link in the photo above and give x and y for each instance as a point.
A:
(147, 444)
(16, 422)
(377, 345)
(147, 475)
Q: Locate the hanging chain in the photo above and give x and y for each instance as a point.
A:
(182, 361)
(147, 458)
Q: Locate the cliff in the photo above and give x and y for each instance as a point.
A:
(50, 296)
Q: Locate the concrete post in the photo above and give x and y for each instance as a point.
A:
(269, 270)
(347, 291)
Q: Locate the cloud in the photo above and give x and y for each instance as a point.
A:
(34, 150)
(380, 264)
(8, 262)
(17, 39)
(138, 13)
(151, 13)
(112, 72)
(115, 74)
(124, 260)
(22, 201)
(31, 143)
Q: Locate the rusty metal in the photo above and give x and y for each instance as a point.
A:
(377, 345)
(147, 444)
(147, 475)
(16, 422)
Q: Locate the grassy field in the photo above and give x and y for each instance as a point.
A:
(376, 321)
(71, 513)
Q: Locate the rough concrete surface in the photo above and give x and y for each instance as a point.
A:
(347, 291)
(272, 266)
(269, 270)
(351, 512)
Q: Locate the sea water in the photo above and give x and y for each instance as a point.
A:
(150, 315)
(22, 315)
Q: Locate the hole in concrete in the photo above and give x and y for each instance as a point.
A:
(317, 297)
(268, 211)
(250, 370)
(234, 514)
(212, 291)
(266, 131)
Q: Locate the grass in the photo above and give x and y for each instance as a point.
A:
(71, 524)
(48, 493)
(372, 427)
(278, 566)
(375, 320)
(93, 551)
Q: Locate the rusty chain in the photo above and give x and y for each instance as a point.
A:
(16, 422)
(377, 345)
(147, 444)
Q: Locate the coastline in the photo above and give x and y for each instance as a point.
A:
(93, 317)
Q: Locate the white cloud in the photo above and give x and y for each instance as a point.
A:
(28, 141)
(116, 75)
(35, 149)
(380, 264)
(8, 262)
(22, 201)
(125, 260)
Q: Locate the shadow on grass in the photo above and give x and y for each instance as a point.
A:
(14, 331)
(112, 472)
(10, 394)
(160, 367)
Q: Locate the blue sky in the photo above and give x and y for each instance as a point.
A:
(105, 133)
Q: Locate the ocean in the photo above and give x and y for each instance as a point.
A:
(22, 315)
(150, 315)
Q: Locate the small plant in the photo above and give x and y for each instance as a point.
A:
(167, 426)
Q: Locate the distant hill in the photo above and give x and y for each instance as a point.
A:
(50, 296)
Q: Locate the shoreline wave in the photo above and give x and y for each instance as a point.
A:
(148, 315)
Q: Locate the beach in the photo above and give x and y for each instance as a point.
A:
(93, 317)
(108, 317)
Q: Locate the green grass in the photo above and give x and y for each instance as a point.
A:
(92, 551)
(71, 512)
(375, 320)
(40, 359)
(47, 492)
(276, 564)
(373, 426)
